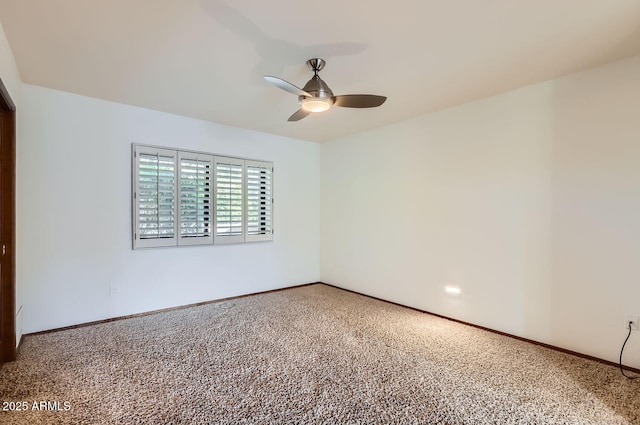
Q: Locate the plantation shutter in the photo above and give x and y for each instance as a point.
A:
(259, 201)
(193, 198)
(155, 196)
(229, 217)
(196, 198)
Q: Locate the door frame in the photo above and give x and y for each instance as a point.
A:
(8, 226)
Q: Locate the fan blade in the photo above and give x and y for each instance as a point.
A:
(286, 86)
(358, 100)
(301, 113)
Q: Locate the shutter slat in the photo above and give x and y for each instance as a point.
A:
(195, 197)
(156, 201)
(229, 205)
(258, 200)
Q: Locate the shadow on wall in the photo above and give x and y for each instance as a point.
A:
(585, 278)
(595, 203)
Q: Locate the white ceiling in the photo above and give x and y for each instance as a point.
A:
(205, 58)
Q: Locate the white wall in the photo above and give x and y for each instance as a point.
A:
(76, 213)
(11, 78)
(529, 201)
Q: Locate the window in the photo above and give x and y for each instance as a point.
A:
(193, 198)
(154, 197)
(196, 201)
(259, 200)
(229, 200)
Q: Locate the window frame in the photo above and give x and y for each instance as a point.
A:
(195, 240)
(268, 235)
(138, 241)
(213, 238)
(219, 239)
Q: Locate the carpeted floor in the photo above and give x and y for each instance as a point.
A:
(308, 355)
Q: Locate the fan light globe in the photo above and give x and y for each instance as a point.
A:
(316, 104)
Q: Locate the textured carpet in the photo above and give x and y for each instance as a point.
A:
(308, 355)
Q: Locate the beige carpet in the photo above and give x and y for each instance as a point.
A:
(309, 355)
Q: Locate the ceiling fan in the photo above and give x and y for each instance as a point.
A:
(316, 96)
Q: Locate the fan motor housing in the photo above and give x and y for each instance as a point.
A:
(317, 88)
